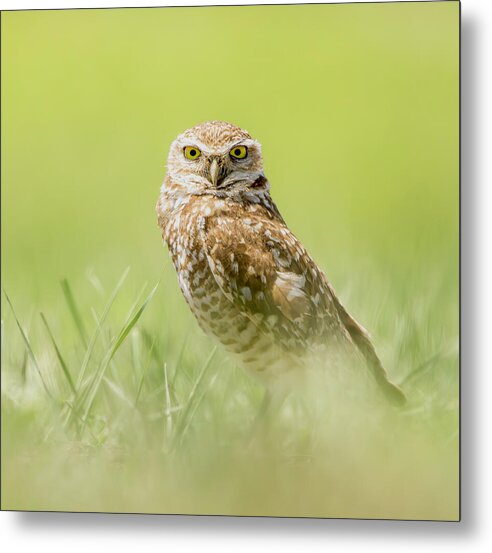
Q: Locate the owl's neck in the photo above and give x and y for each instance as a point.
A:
(174, 198)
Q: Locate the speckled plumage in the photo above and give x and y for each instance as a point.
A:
(247, 279)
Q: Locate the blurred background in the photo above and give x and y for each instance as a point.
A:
(356, 107)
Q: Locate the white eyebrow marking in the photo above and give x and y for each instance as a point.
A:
(240, 143)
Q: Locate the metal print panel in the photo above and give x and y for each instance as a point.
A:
(297, 352)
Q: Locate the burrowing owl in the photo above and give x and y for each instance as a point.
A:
(247, 279)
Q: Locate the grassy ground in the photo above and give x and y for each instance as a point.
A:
(112, 399)
(117, 403)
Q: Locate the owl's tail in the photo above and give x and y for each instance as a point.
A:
(361, 339)
(394, 394)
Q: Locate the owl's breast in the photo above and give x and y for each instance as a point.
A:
(217, 315)
(187, 250)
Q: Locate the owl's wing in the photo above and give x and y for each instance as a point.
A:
(260, 265)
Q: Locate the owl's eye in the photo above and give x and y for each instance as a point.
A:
(239, 152)
(190, 152)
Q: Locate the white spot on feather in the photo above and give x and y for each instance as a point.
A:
(246, 292)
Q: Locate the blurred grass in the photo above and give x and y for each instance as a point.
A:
(357, 111)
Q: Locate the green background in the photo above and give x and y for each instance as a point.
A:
(356, 107)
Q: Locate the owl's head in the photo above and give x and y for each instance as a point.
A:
(215, 158)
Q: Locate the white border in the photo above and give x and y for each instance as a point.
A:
(59, 533)
(44, 4)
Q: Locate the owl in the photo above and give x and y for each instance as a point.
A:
(248, 280)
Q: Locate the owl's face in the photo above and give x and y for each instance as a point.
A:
(214, 158)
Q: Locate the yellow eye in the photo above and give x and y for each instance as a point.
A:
(190, 152)
(239, 152)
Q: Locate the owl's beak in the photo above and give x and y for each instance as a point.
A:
(214, 172)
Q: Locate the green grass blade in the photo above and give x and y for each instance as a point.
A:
(106, 344)
(63, 365)
(180, 357)
(80, 385)
(96, 381)
(196, 404)
(144, 372)
(117, 391)
(94, 280)
(28, 347)
(183, 423)
(25, 359)
(95, 335)
(169, 416)
(132, 322)
(74, 311)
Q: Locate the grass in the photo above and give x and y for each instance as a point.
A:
(136, 419)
